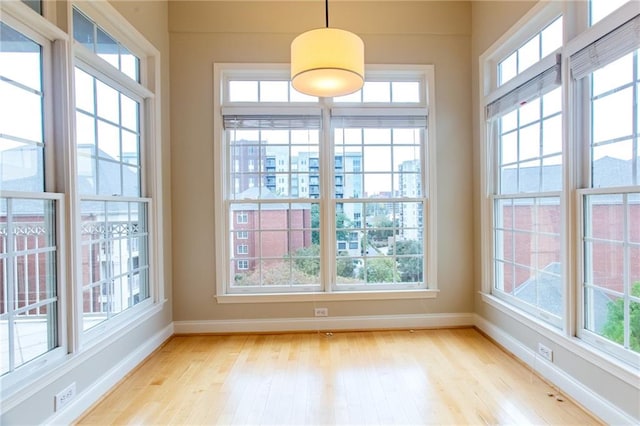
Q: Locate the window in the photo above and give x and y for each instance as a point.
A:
(242, 217)
(537, 47)
(366, 156)
(111, 153)
(534, 175)
(242, 235)
(243, 249)
(109, 145)
(30, 305)
(611, 189)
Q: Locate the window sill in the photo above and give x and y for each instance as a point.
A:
(328, 297)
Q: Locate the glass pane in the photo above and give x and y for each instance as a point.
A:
(612, 165)
(107, 48)
(529, 112)
(612, 115)
(634, 218)
(529, 142)
(508, 68)
(109, 178)
(529, 54)
(379, 270)
(131, 181)
(551, 37)
(129, 64)
(108, 141)
(33, 333)
(376, 91)
(130, 148)
(20, 113)
(552, 102)
(20, 58)
(243, 91)
(129, 113)
(83, 30)
(84, 91)
(606, 215)
(274, 91)
(377, 159)
(408, 91)
(21, 166)
(613, 75)
(601, 8)
(509, 121)
(108, 102)
(529, 177)
(552, 135)
(353, 97)
(85, 130)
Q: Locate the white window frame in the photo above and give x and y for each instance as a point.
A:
(280, 72)
(575, 161)
(107, 18)
(53, 41)
(584, 185)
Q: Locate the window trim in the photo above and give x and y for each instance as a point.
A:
(221, 71)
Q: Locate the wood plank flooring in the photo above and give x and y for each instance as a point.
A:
(454, 376)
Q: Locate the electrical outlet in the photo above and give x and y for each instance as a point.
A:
(65, 396)
(321, 312)
(545, 352)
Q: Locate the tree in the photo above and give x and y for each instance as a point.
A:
(614, 327)
(379, 270)
(342, 224)
(307, 260)
(315, 223)
(382, 228)
(344, 265)
(410, 267)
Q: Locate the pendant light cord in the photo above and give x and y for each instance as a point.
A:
(326, 13)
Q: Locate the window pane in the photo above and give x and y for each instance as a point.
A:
(378, 91)
(107, 48)
(29, 280)
(408, 91)
(528, 251)
(613, 75)
(20, 113)
(108, 102)
(84, 91)
(115, 261)
(551, 37)
(129, 64)
(243, 91)
(274, 91)
(508, 68)
(612, 116)
(83, 30)
(20, 58)
(612, 165)
(600, 8)
(529, 54)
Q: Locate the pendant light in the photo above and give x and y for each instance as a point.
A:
(327, 62)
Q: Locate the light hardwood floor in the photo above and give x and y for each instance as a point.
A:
(454, 376)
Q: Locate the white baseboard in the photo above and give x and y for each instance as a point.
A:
(566, 383)
(99, 388)
(326, 324)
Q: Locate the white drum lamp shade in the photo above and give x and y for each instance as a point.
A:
(327, 62)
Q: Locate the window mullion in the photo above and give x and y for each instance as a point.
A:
(327, 203)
